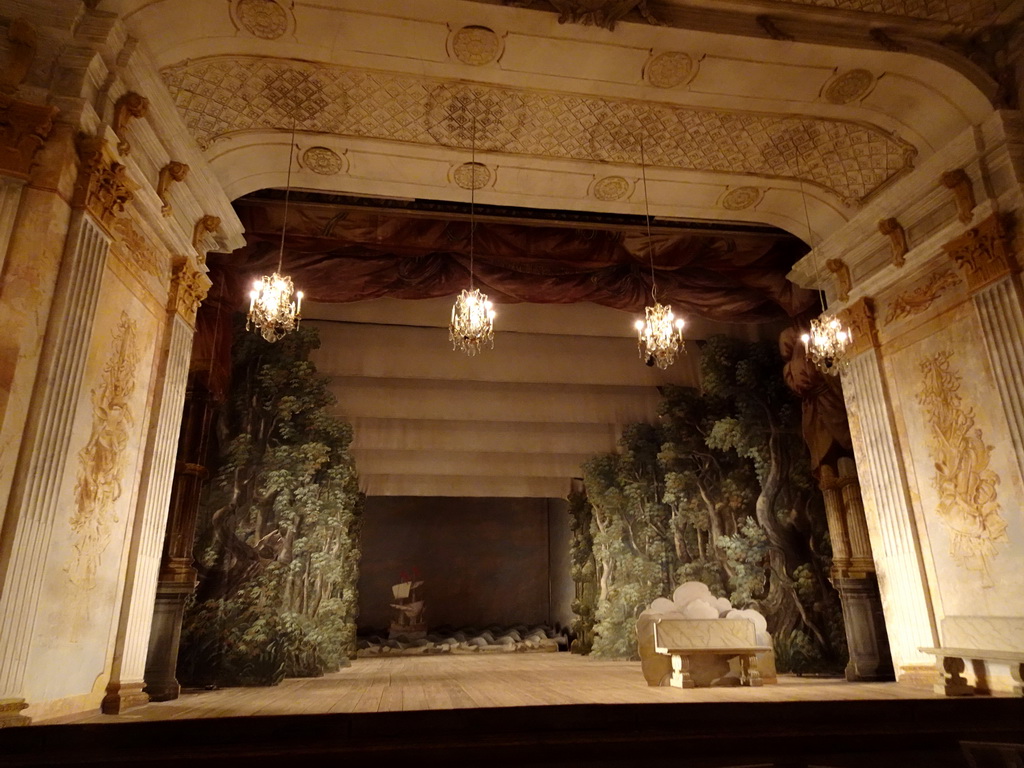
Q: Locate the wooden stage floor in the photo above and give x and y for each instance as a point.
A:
(403, 683)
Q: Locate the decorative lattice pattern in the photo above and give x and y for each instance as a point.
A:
(224, 95)
(969, 12)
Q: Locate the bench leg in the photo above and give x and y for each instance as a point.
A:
(952, 682)
(749, 673)
(681, 672)
(1017, 673)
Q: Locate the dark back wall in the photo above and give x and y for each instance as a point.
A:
(483, 561)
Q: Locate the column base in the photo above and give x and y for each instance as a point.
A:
(123, 696)
(10, 713)
(163, 690)
(866, 638)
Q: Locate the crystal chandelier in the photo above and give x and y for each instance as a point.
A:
(660, 333)
(273, 311)
(828, 341)
(472, 325)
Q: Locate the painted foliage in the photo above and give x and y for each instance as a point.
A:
(278, 539)
(719, 491)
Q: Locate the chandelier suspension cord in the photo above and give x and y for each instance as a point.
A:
(807, 223)
(472, 195)
(647, 210)
(287, 194)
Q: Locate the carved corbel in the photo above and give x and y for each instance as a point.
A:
(897, 239)
(21, 51)
(103, 186)
(205, 225)
(963, 189)
(886, 42)
(859, 317)
(772, 30)
(844, 283)
(130, 106)
(982, 253)
(189, 287)
(173, 171)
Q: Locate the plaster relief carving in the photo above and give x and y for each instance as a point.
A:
(968, 507)
(670, 69)
(472, 175)
(848, 86)
(101, 461)
(265, 19)
(918, 300)
(21, 51)
(103, 187)
(324, 161)
(475, 45)
(982, 253)
(610, 188)
(205, 225)
(600, 13)
(188, 289)
(24, 128)
(963, 189)
(130, 106)
(844, 283)
(173, 171)
(131, 249)
(741, 198)
(221, 96)
(859, 317)
(897, 239)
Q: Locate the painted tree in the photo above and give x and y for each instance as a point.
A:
(583, 570)
(278, 539)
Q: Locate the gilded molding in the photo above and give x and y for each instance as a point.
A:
(844, 282)
(968, 505)
(859, 317)
(982, 253)
(170, 173)
(963, 189)
(130, 106)
(189, 287)
(103, 186)
(897, 239)
(918, 300)
(204, 225)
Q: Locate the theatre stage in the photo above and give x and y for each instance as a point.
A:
(539, 710)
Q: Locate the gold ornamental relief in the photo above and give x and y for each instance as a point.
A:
(966, 485)
(101, 461)
(919, 299)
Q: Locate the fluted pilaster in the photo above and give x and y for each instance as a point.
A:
(894, 543)
(41, 461)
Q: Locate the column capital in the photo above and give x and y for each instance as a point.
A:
(26, 128)
(859, 317)
(103, 187)
(983, 253)
(189, 287)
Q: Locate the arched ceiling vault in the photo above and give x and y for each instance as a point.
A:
(745, 108)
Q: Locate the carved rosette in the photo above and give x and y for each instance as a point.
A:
(472, 175)
(859, 317)
(24, 128)
(982, 253)
(475, 45)
(741, 198)
(189, 287)
(103, 186)
(670, 69)
(265, 19)
(848, 86)
(324, 161)
(610, 188)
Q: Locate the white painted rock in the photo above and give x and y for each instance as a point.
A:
(723, 605)
(691, 590)
(663, 605)
(760, 625)
(698, 609)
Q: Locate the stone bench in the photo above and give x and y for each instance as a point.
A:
(951, 665)
(684, 639)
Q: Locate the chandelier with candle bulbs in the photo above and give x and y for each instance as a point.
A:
(828, 341)
(472, 325)
(275, 307)
(660, 333)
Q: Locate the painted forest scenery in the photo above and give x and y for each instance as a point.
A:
(277, 545)
(719, 491)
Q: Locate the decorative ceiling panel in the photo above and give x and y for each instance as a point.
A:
(952, 11)
(220, 96)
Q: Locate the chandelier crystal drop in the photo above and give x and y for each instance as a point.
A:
(275, 307)
(272, 310)
(827, 344)
(472, 325)
(660, 336)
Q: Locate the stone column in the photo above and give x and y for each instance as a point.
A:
(125, 689)
(177, 577)
(892, 530)
(102, 191)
